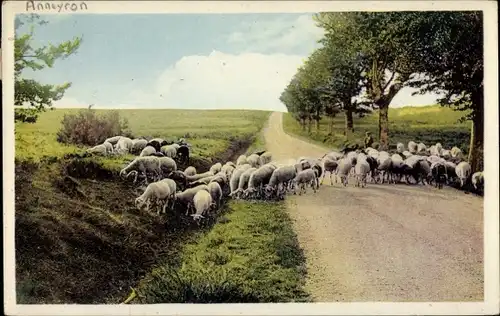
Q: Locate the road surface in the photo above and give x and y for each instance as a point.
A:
(385, 242)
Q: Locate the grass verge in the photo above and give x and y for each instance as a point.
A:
(251, 256)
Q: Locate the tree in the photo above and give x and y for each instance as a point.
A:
(451, 61)
(344, 66)
(291, 99)
(379, 39)
(37, 96)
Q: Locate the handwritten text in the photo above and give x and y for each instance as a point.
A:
(55, 6)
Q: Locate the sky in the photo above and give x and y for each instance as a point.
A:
(195, 61)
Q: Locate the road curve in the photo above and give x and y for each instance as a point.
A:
(393, 243)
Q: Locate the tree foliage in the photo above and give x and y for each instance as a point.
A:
(373, 55)
(35, 97)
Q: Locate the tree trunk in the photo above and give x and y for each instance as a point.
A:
(349, 125)
(309, 123)
(303, 124)
(331, 125)
(477, 134)
(383, 125)
(317, 125)
(383, 102)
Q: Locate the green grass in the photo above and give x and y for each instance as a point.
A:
(428, 124)
(209, 131)
(251, 257)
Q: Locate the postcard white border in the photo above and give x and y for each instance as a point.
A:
(491, 215)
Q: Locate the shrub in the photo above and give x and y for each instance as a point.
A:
(87, 128)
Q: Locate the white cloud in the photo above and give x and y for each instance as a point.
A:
(404, 98)
(69, 102)
(300, 34)
(222, 81)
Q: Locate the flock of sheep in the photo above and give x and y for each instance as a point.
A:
(433, 165)
(120, 145)
(256, 176)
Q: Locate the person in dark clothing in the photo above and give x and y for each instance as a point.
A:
(368, 140)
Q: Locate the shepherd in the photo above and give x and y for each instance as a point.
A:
(368, 140)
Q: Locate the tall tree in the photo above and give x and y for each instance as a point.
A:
(313, 74)
(448, 51)
(345, 68)
(379, 38)
(37, 96)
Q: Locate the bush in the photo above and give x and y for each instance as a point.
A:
(88, 128)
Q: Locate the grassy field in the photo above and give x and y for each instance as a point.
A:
(79, 237)
(428, 124)
(210, 132)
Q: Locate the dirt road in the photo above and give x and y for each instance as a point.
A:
(384, 242)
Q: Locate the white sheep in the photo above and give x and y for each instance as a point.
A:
(434, 158)
(361, 170)
(215, 191)
(421, 148)
(456, 153)
(329, 165)
(202, 202)
(439, 148)
(352, 156)
(304, 178)
(400, 147)
(169, 151)
(265, 158)
(373, 153)
(215, 168)
(123, 145)
(199, 176)
(156, 193)
(204, 180)
(98, 150)
(257, 179)
(167, 165)
(186, 197)
(109, 147)
(221, 178)
(478, 180)
(235, 177)
(407, 154)
(173, 190)
(243, 182)
(343, 170)
(384, 167)
(281, 177)
(138, 144)
(228, 170)
(113, 140)
(242, 160)
(433, 151)
(190, 171)
(412, 147)
(334, 155)
(176, 146)
(143, 165)
(253, 160)
(463, 171)
(446, 154)
(147, 151)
